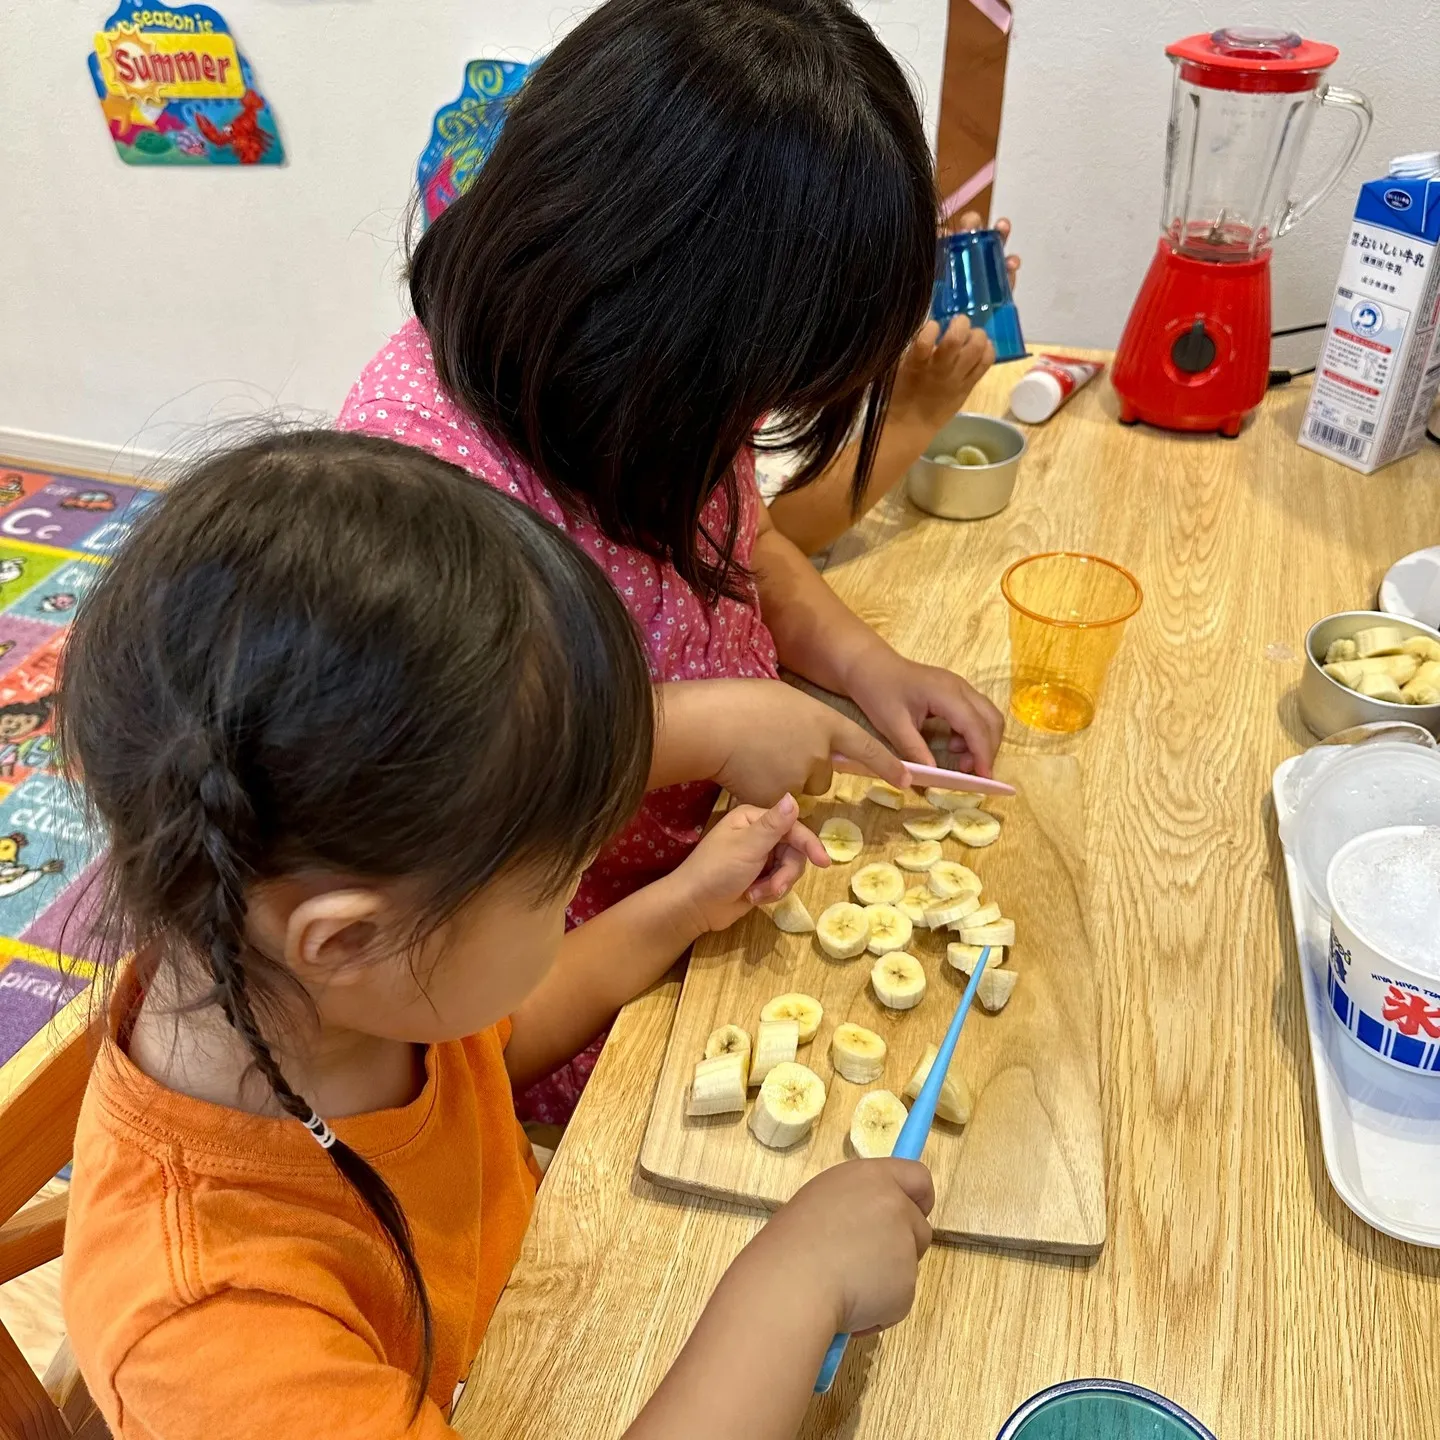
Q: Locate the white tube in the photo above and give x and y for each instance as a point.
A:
(1048, 385)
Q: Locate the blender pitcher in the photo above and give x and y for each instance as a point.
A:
(1195, 354)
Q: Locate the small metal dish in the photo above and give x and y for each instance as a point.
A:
(1327, 706)
(968, 492)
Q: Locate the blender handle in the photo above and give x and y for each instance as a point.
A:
(1358, 108)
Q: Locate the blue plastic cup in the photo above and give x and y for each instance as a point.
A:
(971, 280)
(1101, 1410)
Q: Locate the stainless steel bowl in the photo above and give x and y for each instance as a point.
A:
(1327, 706)
(968, 492)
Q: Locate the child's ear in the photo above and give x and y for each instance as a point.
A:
(330, 938)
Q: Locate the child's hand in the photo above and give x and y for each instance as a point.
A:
(771, 738)
(899, 695)
(853, 1236)
(750, 857)
(938, 372)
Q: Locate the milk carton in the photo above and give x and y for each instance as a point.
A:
(1380, 365)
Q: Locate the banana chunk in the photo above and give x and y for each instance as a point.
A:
(985, 915)
(975, 828)
(1420, 646)
(898, 980)
(1341, 650)
(877, 884)
(954, 1103)
(790, 915)
(776, 1041)
(1380, 687)
(949, 878)
(718, 1087)
(913, 902)
(1424, 688)
(995, 988)
(966, 957)
(1001, 932)
(890, 929)
(729, 1040)
(879, 793)
(952, 799)
(947, 912)
(842, 839)
(1379, 640)
(876, 1124)
(919, 855)
(790, 1099)
(843, 930)
(858, 1054)
(805, 1010)
(929, 827)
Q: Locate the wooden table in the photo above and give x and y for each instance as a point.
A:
(1234, 1279)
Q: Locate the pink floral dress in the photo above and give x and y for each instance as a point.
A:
(399, 396)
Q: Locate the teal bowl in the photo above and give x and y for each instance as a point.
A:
(1101, 1410)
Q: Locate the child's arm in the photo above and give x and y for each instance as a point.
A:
(819, 637)
(749, 858)
(841, 1257)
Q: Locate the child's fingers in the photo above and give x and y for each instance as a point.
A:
(1003, 226)
(923, 345)
(973, 220)
(807, 843)
(953, 341)
(789, 866)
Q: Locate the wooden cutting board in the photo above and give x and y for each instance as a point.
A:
(1028, 1170)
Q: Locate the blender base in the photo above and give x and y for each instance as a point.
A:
(1195, 355)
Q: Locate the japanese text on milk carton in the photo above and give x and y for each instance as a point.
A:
(1380, 365)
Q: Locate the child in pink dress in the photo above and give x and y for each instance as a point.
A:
(700, 213)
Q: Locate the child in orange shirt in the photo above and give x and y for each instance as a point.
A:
(355, 725)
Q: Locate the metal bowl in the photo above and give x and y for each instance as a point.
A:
(968, 492)
(1327, 706)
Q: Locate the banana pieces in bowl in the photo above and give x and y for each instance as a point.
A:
(1363, 666)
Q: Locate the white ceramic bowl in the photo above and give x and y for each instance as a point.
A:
(968, 492)
(1389, 1007)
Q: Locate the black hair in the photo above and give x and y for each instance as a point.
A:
(328, 650)
(700, 213)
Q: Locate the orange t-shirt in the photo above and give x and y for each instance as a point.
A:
(220, 1279)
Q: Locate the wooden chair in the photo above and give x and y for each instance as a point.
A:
(40, 1091)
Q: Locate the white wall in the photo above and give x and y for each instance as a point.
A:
(138, 304)
(1082, 144)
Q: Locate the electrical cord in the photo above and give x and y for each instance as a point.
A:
(1280, 375)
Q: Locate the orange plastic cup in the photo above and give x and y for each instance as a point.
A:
(1067, 614)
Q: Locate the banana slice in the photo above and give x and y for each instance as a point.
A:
(985, 915)
(876, 1124)
(965, 957)
(842, 839)
(878, 884)
(1380, 687)
(843, 930)
(952, 799)
(719, 1086)
(789, 1100)
(1379, 640)
(858, 1054)
(790, 915)
(949, 878)
(929, 827)
(805, 1010)
(776, 1041)
(971, 455)
(920, 855)
(898, 980)
(995, 988)
(913, 902)
(879, 793)
(1001, 932)
(1420, 692)
(1420, 646)
(805, 804)
(1402, 669)
(890, 929)
(954, 1102)
(1341, 650)
(729, 1040)
(975, 828)
(947, 912)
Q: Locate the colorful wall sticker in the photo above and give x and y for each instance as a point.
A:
(175, 90)
(464, 131)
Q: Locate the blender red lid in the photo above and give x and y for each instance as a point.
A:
(1251, 57)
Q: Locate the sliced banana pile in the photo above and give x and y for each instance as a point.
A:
(1383, 663)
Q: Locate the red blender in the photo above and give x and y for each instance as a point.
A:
(1195, 354)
